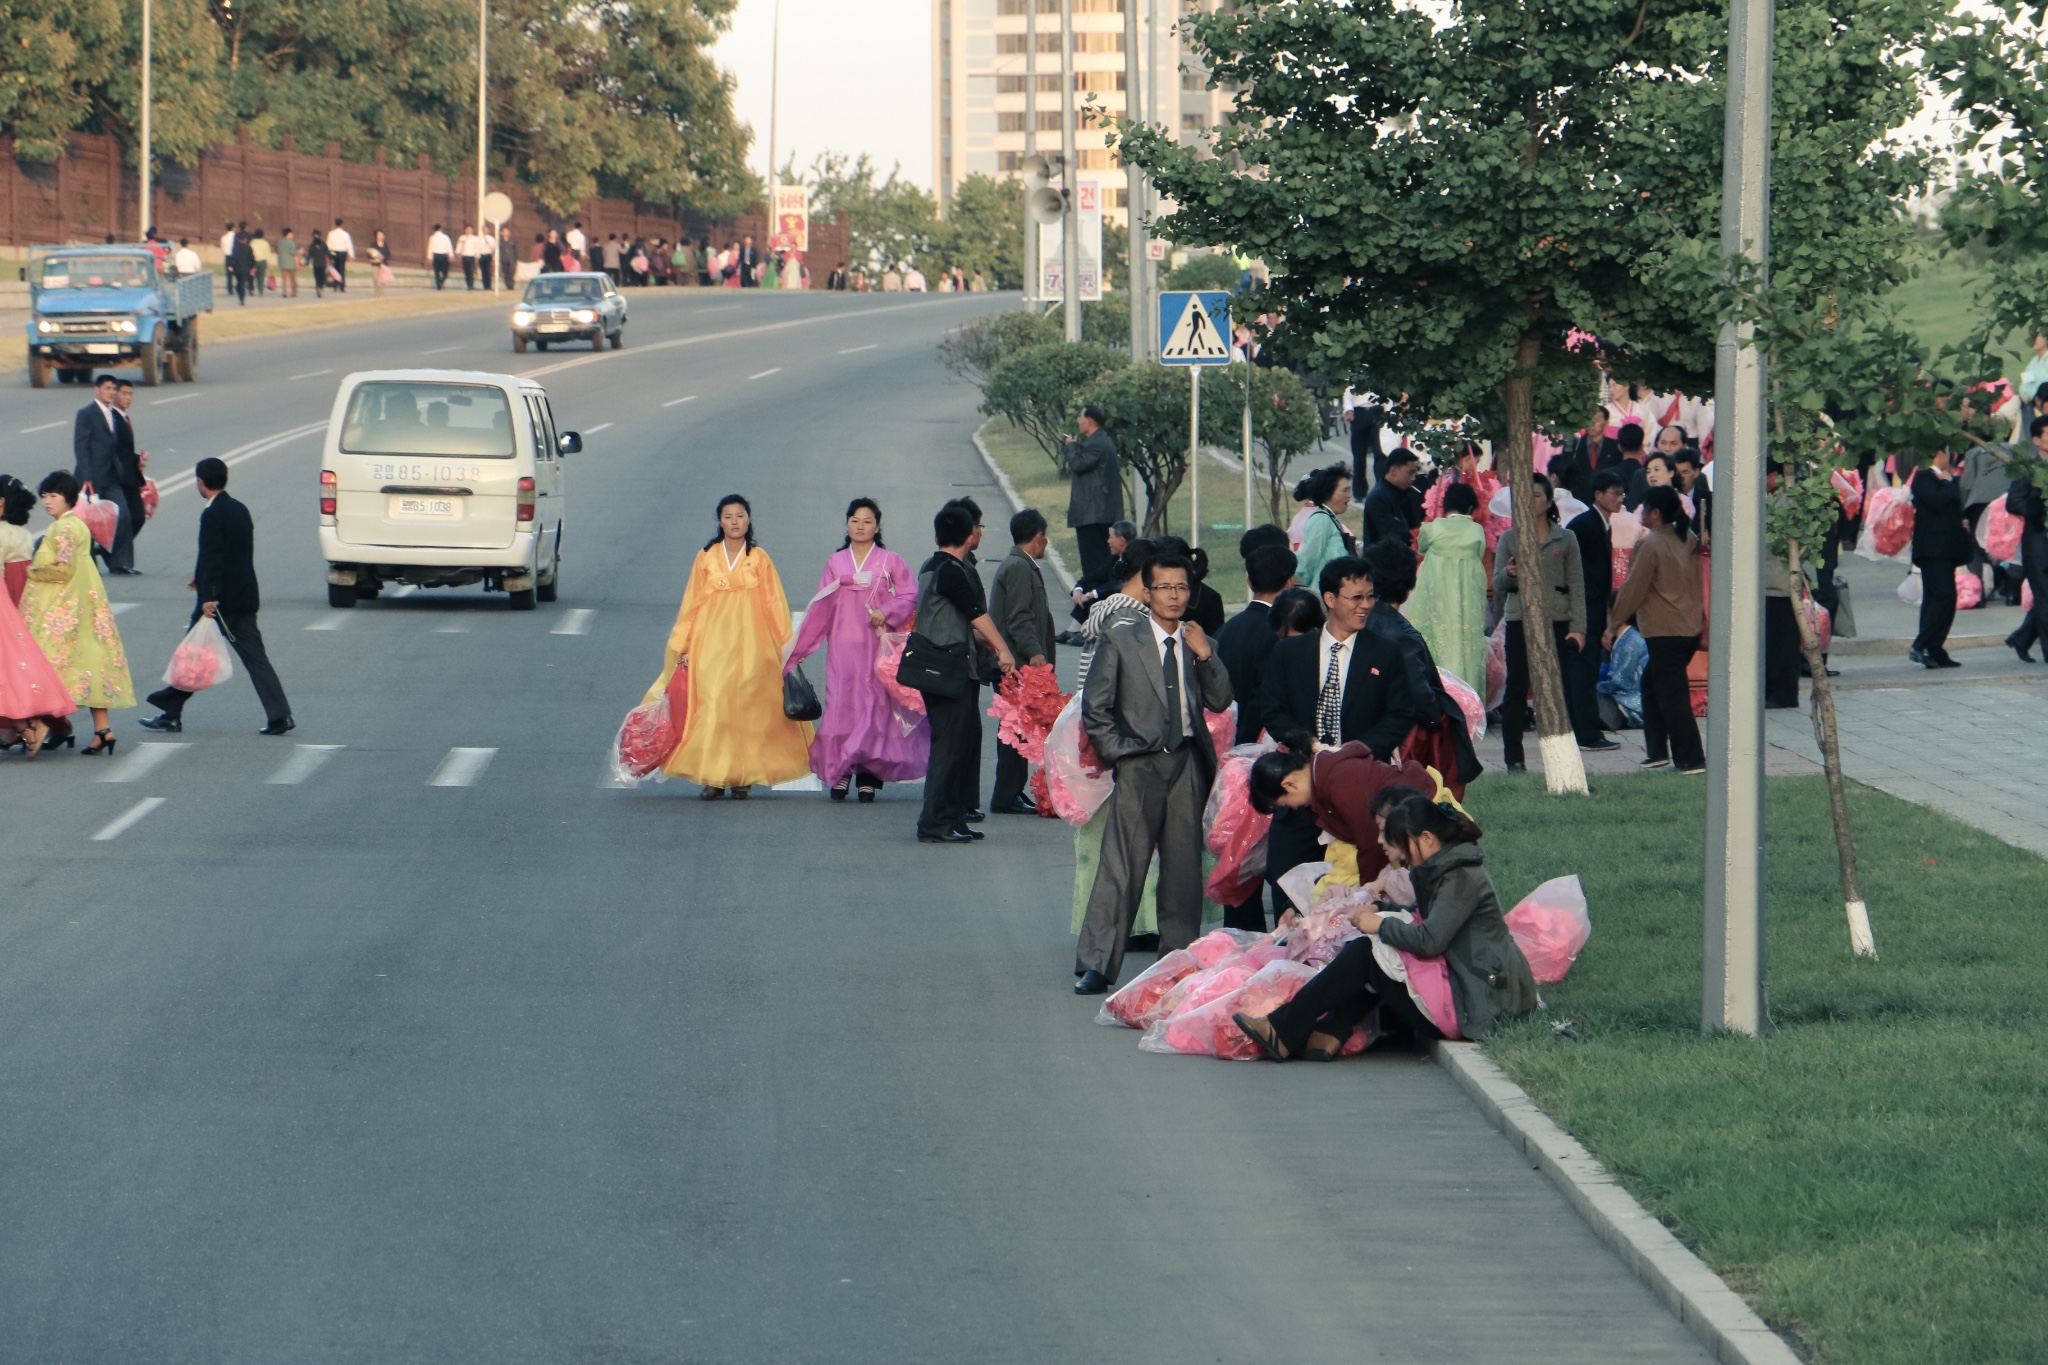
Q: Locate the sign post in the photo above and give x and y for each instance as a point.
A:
(1194, 330)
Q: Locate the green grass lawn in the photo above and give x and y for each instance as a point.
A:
(1041, 486)
(1940, 305)
(1873, 1175)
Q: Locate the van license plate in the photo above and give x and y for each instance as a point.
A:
(441, 509)
(554, 327)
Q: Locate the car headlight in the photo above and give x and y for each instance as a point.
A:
(585, 315)
(522, 318)
(125, 325)
(45, 325)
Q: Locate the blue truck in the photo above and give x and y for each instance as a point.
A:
(96, 307)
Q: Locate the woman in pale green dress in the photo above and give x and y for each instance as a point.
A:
(66, 611)
(1325, 536)
(1449, 602)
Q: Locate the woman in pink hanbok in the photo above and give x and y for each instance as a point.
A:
(864, 738)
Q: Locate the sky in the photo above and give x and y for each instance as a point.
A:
(856, 77)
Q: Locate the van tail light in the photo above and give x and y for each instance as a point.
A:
(526, 499)
(329, 487)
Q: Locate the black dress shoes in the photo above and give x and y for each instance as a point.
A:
(278, 727)
(164, 725)
(972, 833)
(975, 816)
(1092, 983)
(1023, 805)
(951, 836)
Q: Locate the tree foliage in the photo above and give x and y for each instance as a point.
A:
(1285, 422)
(1208, 271)
(1040, 390)
(586, 97)
(984, 231)
(976, 347)
(890, 223)
(1146, 407)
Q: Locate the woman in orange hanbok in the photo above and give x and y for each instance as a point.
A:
(729, 638)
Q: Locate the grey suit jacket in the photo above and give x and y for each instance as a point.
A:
(1123, 705)
(1096, 495)
(1022, 613)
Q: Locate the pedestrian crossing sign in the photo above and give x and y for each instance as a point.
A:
(1194, 327)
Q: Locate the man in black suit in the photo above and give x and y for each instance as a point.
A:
(1244, 644)
(1392, 509)
(131, 473)
(1090, 588)
(1596, 557)
(225, 581)
(96, 460)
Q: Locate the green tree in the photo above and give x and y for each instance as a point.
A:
(975, 348)
(889, 222)
(1039, 390)
(1206, 271)
(74, 65)
(1285, 422)
(1147, 411)
(1107, 321)
(1441, 194)
(984, 230)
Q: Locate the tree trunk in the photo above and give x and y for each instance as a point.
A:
(1824, 734)
(1563, 769)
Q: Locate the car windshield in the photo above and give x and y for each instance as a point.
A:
(561, 288)
(428, 419)
(94, 272)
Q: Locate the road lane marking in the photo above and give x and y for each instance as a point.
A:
(127, 819)
(462, 767)
(807, 783)
(592, 431)
(147, 759)
(47, 426)
(329, 623)
(444, 350)
(175, 398)
(452, 628)
(577, 623)
(765, 373)
(120, 607)
(312, 374)
(669, 404)
(306, 760)
(178, 483)
(757, 330)
(854, 350)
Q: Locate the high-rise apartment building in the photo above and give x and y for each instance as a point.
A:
(996, 85)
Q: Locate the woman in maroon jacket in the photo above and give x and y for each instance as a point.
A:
(1337, 786)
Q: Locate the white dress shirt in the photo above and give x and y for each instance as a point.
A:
(1345, 649)
(469, 244)
(576, 240)
(439, 245)
(187, 261)
(338, 241)
(1180, 649)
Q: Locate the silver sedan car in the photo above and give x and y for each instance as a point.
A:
(570, 306)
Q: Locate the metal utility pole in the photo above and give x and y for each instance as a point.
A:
(1248, 522)
(483, 143)
(1031, 274)
(1134, 192)
(142, 206)
(1732, 997)
(774, 106)
(1070, 235)
(1152, 338)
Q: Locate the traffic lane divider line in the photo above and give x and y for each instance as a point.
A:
(329, 623)
(577, 622)
(47, 426)
(310, 374)
(855, 350)
(462, 767)
(669, 404)
(592, 431)
(146, 759)
(765, 373)
(306, 759)
(174, 398)
(127, 819)
(178, 483)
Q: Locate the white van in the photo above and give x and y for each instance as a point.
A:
(442, 478)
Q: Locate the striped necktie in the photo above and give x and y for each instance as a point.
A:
(1331, 702)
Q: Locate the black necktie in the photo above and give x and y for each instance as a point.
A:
(1173, 733)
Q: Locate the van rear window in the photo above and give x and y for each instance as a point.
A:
(428, 419)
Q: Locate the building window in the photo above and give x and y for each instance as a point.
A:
(1009, 85)
(1096, 159)
(1097, 42)
(1009, 6)
(1011, 43)
(1191, 80)
(1119, 198)
(1009, 161)
(1049, 120)
(1192, 123)
(1009, 123)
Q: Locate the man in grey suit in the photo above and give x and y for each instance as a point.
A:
(1142, 708)
(1023, 618)
(96, 459)
(1095, 500)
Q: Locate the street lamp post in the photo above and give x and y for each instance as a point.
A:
(1732, 994)
(1070, 237)
(142, 206)
(1134, 192)
(482, 133)
(774, 107)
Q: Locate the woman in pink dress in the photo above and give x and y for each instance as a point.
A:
(32, 697)
(863, 737)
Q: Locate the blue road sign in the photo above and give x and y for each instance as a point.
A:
(1194, 327)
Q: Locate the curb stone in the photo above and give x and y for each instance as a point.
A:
(1726, 1325)
(1052, 553)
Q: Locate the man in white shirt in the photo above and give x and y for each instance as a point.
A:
(1142, 707)
(186, 261)
(467, 248)
(439, 252)
(579, 244)
(913, 283)
(227, 242)
(340, 246)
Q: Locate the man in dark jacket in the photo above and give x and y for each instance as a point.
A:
(1091, 588)
(1391, 510)
(1023, 617)
(2024, 501)
(1941, 545)
(1095, 498)
(96, 459)
(225, 582)
(1596, 558)
(131, 475)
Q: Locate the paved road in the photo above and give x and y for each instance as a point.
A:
(317, 1061)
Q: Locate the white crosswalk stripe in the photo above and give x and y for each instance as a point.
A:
(462, 767)
(329, 623)
(146, 759)
(125, 821)
(306, 760)
(577, 622)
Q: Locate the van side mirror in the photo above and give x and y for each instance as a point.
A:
(570, 443)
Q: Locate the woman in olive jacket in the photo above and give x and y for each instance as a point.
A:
(1564, 603)
(1459, 920)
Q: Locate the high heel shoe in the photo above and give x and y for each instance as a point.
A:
(32, 742)
(841, 787)
(102, 743)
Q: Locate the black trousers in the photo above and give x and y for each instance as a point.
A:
(1937, 606)
(1781, 653)
(1094, 547)
(122, 555)
(950, 782)
(1585, 720)
(483, 265)
(240, 628)
(340, 264)
(1340, 997)
(1013, 770)
(469, 272)
(1669, 729)
(2034, 560)
(440, 271)
(1582, 677)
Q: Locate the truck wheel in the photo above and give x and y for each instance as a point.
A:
(340, 595)
(188, 364)
(151, 358)
(518, 344)
(39, 371)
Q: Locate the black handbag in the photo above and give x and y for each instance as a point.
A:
(942, 670)
(799, 698)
